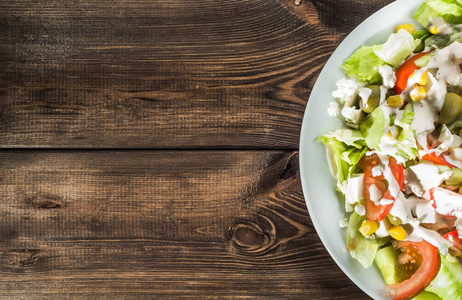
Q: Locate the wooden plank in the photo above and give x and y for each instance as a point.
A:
(164, 74)
(144, 224)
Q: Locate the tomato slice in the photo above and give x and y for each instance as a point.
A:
(439, 160)
(422, 277)
(398, 171)
(379, 212)
(404, 71)
(454, 238)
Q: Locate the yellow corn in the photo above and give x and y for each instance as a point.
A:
(408, 27)
(417, 93)
(390, 135)
(394, 101)
(433, 29)
(423, 78)
(393, 133)
(368, 227)
(397, 232)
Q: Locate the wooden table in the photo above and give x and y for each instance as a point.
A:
(149, 148)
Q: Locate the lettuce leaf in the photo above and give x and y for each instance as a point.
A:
(455, 37)
(398, 47)
(344, 149)
(372, 127)
(364, 64)
(406, 142)
(351, 137)
(424, 295)
(449, 10)
(361, 248)
(437, 40)
(422, 35)
(448, 282)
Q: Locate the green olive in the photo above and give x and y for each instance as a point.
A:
(373, 101)
(452, 108)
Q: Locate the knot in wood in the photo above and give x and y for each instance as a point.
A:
(45, 202)
(249, 237)
(21, 258)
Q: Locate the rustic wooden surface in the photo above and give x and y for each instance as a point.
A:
(149, 148)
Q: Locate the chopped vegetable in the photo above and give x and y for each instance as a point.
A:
(408, 27)
(397, 232)
(414, 252)
(405, 71)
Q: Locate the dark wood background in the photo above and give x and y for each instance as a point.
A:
(149, 149)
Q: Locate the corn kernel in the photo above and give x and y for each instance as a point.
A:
(423, 77)
(368, 227)
(397, 232)
(394, 220)
(433, 29)
(393, 133)
(417, 93)
(394, 101)
(408, 27)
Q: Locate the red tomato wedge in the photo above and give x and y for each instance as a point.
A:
(422, 276)
(436, 159)
(439, 160)
(454, 238)
(404, 71)
(379, 212)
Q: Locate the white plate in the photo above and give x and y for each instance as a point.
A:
(324, 205)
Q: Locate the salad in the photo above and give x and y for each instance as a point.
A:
(398, 158)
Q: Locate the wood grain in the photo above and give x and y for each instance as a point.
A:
(154, 148)
(142, 224)
(164, 74)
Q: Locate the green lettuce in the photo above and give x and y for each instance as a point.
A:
(397, 48)
(448, 282)
(455, 37)
(437, 40)
(351, 137)
(364, 64)
(345, 148)
(449, 10)
(361, 248)
(406, 142)
(424, 295)
(422, 35)
(372, 127)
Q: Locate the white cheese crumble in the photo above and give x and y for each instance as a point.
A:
(343, 223)
(388, 76)
(346, 90)
(333, 109)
